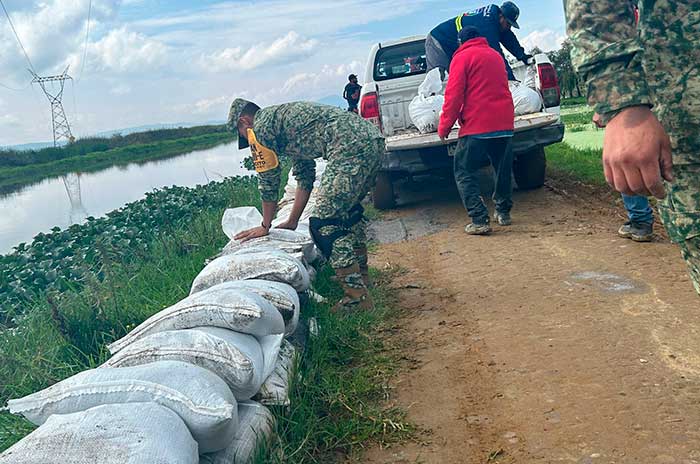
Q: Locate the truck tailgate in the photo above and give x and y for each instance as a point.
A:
(414, 140)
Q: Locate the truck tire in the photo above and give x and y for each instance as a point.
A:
(529, 169)
(383, 192)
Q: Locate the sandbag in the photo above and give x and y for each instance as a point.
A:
(432, 84)
(237, 220)
(201, 399)
(271, 346)
(270, 265)
(236, 358)
(294, 243)
(256, 423)
(135, 433)
(275, 389)
(233, 309)
(282, 296)
(525, 99)
(425, 112)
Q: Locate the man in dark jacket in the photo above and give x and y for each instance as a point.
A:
(352, 93)
(477, 95)
(493, 22)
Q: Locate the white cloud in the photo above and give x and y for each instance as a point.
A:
(547, 40)
(9, 120)
(120, 89)
(291, 47)
(123, 50)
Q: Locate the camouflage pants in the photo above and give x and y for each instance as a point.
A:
(345, 183)
(680, 212)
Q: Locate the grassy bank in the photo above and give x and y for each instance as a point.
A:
(12, 177)
(343, 374)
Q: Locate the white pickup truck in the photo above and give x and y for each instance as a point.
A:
(394, 72)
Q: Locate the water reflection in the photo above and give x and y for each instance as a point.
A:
(70, 199)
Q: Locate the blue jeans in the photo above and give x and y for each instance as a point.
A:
(638, 209)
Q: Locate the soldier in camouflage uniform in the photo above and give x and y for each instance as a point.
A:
(303, 132)
(627, 73)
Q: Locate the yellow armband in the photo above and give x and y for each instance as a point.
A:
(264, 159)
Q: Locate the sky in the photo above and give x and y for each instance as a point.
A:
(157, 62)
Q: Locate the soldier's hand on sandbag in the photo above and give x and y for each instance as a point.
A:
(289, 225)
(255, 232)
(637, 153)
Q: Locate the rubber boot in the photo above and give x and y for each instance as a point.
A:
(362, 258)
(355, 292)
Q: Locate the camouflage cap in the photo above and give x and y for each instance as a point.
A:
(237, 107)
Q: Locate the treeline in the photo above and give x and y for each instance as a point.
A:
(82, 147)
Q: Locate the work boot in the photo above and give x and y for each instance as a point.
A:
(503, 219)
(355, 292)
(639, 232)
(362, 259)
(478, 229)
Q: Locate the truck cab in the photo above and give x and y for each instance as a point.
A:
(395, 70)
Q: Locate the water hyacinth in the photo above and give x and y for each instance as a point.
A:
(64, 259)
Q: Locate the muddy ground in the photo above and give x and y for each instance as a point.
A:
(551, 341)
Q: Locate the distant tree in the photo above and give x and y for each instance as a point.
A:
(535, 50)
(568, 79)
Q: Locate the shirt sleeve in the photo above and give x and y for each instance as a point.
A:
(510, 41)
(269, 184)
(454, 97)
(607, 53)
(304, 171)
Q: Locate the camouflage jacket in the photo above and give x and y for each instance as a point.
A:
(656, 63)
(303, 132)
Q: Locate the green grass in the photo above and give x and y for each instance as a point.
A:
(582, 117)
(582, 164)
(585, 140)
(573, 101)
(11, 177)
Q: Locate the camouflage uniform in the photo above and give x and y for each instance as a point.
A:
(659, 66)
(353, 147)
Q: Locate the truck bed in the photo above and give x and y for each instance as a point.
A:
(411, 139)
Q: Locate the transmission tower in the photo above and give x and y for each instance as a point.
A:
(61, 128)
(77, 212)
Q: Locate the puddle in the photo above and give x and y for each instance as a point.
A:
(609, 283)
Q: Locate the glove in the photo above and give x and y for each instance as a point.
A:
(526, 59)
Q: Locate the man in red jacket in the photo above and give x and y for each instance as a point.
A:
(477, 95)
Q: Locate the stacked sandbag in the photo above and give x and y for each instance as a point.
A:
(525, 99)
(135, 433)
(256, 425)
(275, 389)
(294, 243)
(424, 110)
(273, 265)
(202, 400)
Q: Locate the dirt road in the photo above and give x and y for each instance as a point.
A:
(550, 341)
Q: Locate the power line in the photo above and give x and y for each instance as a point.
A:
(87, 36)
(17, 35)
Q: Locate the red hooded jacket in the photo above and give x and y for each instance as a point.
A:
(477, 92)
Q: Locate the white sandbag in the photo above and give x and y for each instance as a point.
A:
(531, 78)
(255, 429)
(201, 399)
(268, 265)
(275, 389)
(425, 112)
(525, 99)
(432, 84)
(239, 219)
(232, 309)
(282, 296)
(236, 358)
(295, 243)
(271, 346)
(136, 433)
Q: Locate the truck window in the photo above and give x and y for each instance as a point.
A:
(400, 61)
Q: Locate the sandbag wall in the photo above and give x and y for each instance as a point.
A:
(190, 383)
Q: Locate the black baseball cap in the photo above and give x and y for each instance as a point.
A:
(511, 13)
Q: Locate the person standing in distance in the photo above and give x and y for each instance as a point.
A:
(352, 93)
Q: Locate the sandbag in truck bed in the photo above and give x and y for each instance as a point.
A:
(236, 358)
(233, 309)
(135, 433)
(201, 399)
(272, 265)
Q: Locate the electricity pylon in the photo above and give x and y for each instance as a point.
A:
(77, 212)
(61, 128)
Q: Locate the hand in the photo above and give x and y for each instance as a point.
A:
(289, 225)
(255, 232)
(526, 59)
(444, 137)
(637, 153)
(598, 121)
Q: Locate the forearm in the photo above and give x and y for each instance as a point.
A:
(301, 199)
(269, 211)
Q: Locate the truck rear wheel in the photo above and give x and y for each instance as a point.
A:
(529, 169)
(383, 192)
